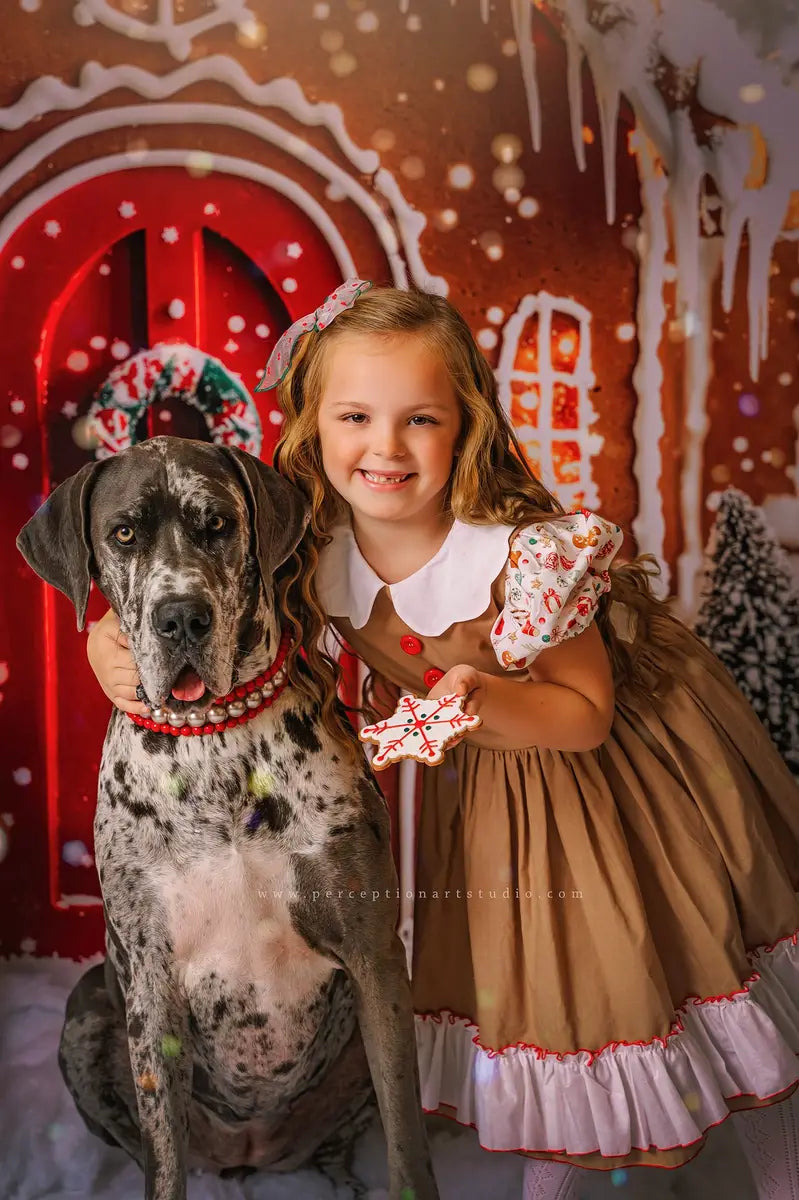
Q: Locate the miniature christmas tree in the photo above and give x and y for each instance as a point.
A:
(749, 617)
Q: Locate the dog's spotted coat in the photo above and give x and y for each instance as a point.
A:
(253, 979)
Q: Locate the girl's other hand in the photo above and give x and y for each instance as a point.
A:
(112, 662)
(462, 680)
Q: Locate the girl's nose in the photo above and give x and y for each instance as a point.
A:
(389, 442)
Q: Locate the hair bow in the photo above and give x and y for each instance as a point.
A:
(342, 298)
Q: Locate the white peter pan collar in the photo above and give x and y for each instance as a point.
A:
(455, 585)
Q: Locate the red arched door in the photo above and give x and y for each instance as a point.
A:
(115, 264)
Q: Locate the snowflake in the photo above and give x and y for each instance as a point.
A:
(230, 346)
(22, 776)
(289, 285)
(27, 945)
(127, 209)
(17, 405)
(69, 409)
(17, 262)
(104, 269)
(3, 679)
(20, 461)
(262, 331)
(419, 729)
(169, 235)
(119, 349)
(211, 210)
(98, 342)
(236, 324)
(52, 228)
(294, 250)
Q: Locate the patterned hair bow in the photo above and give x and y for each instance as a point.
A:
(342, 298)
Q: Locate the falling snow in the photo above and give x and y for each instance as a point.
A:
(294, 250)
(119, 349)
(169, 235)
(98, 342)
(17, 405)
(176, 308)
(78, 360)
(211, 210)
(276, 417)
(230, 346)
(17, 262)
(236, 324)
(262, 331)
(52, 228)
(127, 209)
(22, 776)
(69, 409)
(289, 285)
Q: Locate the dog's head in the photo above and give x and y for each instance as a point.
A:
(183, 539)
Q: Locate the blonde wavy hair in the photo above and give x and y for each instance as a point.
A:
(491, 483)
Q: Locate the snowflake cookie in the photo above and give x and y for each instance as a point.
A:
(419, 729)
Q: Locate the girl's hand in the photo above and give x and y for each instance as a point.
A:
(462, 680)
(112, 662)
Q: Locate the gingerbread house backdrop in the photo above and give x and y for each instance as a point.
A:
(606, 188)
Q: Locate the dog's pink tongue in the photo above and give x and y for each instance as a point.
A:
(188, 685)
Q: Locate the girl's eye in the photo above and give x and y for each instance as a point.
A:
(355, 418)
(217, 524)
(124, 535)
(424, 420)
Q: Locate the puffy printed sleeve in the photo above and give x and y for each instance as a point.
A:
(556, 573)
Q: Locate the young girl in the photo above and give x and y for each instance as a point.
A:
(605, 941)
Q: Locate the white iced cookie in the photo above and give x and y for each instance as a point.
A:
(419, 729)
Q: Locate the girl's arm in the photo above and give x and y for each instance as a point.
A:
(112, 663)
(566, 704)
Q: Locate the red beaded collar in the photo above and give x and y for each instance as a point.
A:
(239, 706)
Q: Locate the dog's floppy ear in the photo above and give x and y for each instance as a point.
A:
(56, 541)
(279, 511)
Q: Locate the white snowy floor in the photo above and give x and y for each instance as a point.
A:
(46, 1153)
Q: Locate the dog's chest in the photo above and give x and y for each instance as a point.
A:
(229, 913)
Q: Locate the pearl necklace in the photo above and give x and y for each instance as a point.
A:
(239, 706)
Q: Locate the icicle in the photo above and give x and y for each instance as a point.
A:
(684, 192)
(608, 95)
(485, 6)
(697, 375)
(522, 13)
(404, 5)
(574, 52)
(649, 525)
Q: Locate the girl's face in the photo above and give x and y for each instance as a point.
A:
(389, 422)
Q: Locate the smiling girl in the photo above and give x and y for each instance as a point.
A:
(605, 939)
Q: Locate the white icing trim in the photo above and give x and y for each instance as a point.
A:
(224, 163)
(649, 426)
(176, 36)
(454, 585)
(665, 1093)
(49, 94)
(696, 379)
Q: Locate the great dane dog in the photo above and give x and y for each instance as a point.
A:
(254, 987)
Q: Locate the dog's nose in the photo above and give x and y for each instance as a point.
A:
(182, 620)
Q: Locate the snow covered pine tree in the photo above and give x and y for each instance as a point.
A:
(749, 617)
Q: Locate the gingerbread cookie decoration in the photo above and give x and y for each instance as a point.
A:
(419, 729)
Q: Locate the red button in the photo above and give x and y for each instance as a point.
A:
(411, 645)
(432, 677)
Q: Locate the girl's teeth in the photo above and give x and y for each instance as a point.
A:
(384, 478)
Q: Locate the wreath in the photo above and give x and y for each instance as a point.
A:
(173, 372)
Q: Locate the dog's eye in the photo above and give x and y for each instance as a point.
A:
(124, 535)
(217, 525)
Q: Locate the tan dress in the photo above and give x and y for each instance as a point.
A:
(605, 942)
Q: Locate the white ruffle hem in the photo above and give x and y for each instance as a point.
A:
(664, 1093)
